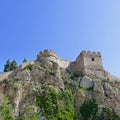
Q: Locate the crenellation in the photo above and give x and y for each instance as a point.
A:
(83, 51)
(88, 52)
(46, 53)
(87, 63)
(51, 55)
(94, 53)
(99, 54)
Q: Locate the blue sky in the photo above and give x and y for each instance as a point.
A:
(66, 26)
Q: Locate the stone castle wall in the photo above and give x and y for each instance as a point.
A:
(47, 53)
(89, 63)
(5, 75)
(51, 55)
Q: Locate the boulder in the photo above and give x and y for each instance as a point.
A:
(86, 82)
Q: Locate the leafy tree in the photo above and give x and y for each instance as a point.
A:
(24, 60)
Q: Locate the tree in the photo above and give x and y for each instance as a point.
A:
(24, 60)
(13, 65)
(9, 66)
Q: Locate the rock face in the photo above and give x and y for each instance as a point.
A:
(86, 82)
(23, 75)
(52, 88)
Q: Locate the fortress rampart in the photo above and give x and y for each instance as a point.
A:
(46, 53)
(87, 63)
(51, 55)
(5, 75)
(89, 53)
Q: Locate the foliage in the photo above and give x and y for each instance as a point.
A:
(73, 75)
(53, 73)
(29, 113)
(28, 67)
(89, 110)
(9, 66)
(5, 108)
(56, 105)
(109, 114)
(24, 60)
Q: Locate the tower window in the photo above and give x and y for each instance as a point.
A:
(93, 59)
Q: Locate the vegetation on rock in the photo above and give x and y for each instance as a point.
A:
(9, 66)
(46, 90)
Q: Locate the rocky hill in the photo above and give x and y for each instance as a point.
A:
(50, 88)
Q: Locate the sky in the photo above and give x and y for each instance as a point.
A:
(65, 26)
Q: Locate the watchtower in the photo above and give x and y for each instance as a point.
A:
(47, 54)
(89, 63)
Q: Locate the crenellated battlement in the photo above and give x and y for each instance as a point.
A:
(52, 56)
(46, 53)
(89, 63)
(89, 53)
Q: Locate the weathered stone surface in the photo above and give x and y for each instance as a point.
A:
(86, 82)
(108, 90)
(80, 97)
(98, 87)
(23, 75)
(6, 75)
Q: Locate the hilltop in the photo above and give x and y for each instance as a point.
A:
(51, 88)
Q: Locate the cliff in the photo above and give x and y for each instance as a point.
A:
(50, 88)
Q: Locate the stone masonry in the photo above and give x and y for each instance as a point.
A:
(51, 55)
(89, 63)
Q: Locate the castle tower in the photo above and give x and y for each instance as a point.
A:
(89, 63)
(47, 54)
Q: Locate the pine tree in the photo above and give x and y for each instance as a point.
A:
(7, 66)
(24, 60)
(13, 65)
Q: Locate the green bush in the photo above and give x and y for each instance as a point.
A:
(89, 110)
(6, 109)
(109, 114)
(56, 105)
(29, 113)
(28, 67)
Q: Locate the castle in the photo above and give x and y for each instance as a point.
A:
(51, 55)
(87, 63)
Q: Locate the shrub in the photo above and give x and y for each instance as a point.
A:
(56, 105)
(109, 114)
(89, 110)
